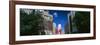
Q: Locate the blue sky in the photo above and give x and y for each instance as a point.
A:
(59, 17)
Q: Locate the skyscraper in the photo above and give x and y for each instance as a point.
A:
(47, 22)
(69, 27)
(59, 29)
(54, 28)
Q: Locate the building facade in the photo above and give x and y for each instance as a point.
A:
(47, 23)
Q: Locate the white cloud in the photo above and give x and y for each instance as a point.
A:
(55, 14)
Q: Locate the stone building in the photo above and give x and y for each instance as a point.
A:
(47, 23)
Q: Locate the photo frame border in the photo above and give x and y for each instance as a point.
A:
(12, 33)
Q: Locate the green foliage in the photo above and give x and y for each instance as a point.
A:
(30, 23)
(82, 21)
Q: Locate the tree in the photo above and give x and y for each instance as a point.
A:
(30, 24)
(82, 21)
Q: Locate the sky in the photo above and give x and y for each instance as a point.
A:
(59, 17)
